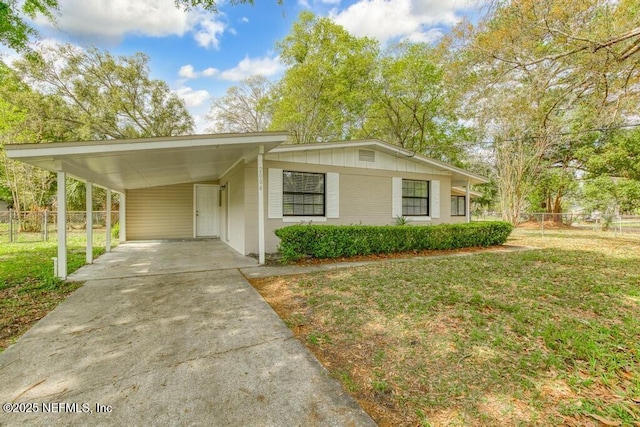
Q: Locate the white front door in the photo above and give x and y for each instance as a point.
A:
(206, 210)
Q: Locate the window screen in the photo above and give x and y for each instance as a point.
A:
(303, 194)
(458, 206)
(415, 197)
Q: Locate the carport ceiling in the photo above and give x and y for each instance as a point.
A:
(147, 162)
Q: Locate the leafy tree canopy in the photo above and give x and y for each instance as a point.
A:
(324, 91)
(108, 97)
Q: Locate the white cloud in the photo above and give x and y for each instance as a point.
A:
(210, 72)
(187, 72)
(426, 37)
(209, 32)
(192, 98)
(113, 19)
(244, 19)
(202, 123)
(398, 19)
(253, 66)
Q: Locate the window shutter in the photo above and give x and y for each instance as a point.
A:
(275, 193)
(435, 199)
(396, 197)
(333, 195)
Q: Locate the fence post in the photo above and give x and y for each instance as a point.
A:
(620, 223)
(11, 225)
(542, 224)
(46, 228)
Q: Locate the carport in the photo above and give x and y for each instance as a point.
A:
(122, 165)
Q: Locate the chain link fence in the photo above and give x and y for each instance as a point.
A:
(546, 221)
(41, 226)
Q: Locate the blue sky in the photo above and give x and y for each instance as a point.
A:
(201, 54)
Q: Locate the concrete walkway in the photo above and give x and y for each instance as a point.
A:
(168, 334)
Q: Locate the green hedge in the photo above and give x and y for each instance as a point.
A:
(333, 241)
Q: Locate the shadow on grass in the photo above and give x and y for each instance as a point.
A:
(28, 287)
(523, 337)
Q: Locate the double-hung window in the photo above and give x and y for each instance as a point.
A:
(415, 197)
(458, 206)
(303, 194)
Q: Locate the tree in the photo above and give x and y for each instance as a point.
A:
(28, 186)
(76, 95)
(211, 5)
(549, 71)
(323, 95)
(14, 31)
(108, 97)
(609, 195)
(615, 153)
(411, 107)
(243, 107)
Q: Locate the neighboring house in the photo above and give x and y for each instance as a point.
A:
(241, 187)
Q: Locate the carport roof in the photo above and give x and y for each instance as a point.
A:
(147, 162)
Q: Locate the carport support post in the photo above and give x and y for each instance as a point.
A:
(62, 225)
(122, 214)
(261, 250)
(89, 226)
(107, 237)
(468, 202)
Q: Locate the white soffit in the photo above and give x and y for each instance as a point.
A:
(147, 162)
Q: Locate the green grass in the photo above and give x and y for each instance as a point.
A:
(28, 288)
(538, 337)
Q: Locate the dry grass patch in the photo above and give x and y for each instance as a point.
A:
(543, 337)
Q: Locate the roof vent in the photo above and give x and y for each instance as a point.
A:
(366, 155)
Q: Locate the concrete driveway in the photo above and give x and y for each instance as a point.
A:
(167, 334)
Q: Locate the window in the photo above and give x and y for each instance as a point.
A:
(415, 198)
(303, 194)
(458, 206)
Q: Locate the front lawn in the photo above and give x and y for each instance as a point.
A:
(544, 337)
(28, 288)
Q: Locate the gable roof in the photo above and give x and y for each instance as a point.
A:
(150, 162)
(459, 175)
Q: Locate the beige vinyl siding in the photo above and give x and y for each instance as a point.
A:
(251, 208)
(160, 212)
(365, 197)
(234, 209)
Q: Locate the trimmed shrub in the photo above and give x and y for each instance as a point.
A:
(333, 241)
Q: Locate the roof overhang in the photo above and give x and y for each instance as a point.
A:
(147, 162)
(458, 176)
(461, 191)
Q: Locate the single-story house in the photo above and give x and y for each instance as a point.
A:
(241, 187)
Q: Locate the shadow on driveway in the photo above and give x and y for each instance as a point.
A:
(153, 343)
